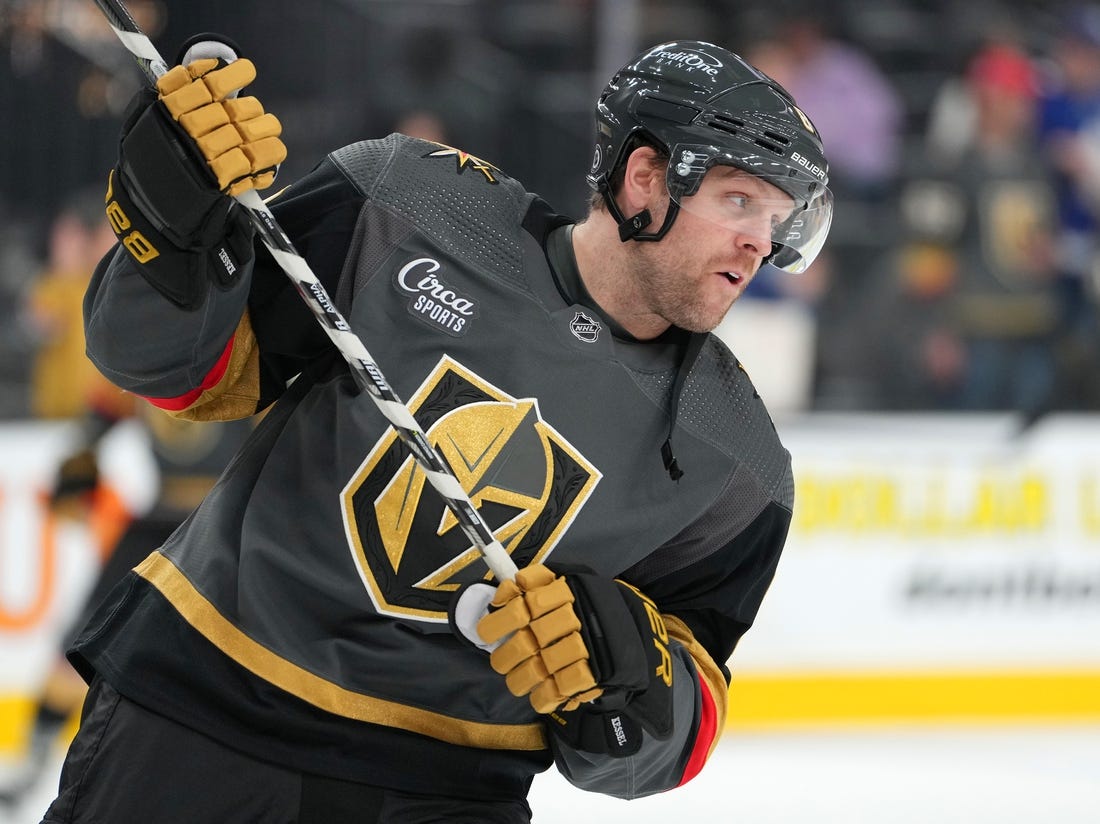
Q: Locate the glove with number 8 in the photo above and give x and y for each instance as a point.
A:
(186, 148)
(569, 640)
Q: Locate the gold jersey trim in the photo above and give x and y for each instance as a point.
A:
(204, 617)
(237, 394)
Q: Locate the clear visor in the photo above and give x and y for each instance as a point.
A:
(746, 197)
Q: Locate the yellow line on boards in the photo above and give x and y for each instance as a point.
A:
(15, 718)
(788, 699)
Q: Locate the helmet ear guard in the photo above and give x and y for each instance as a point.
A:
(630, 228)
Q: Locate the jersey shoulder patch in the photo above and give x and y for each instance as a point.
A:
(459, 201)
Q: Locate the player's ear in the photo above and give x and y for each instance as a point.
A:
(643, 181)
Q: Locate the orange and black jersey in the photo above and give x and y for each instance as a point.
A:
(300, 613)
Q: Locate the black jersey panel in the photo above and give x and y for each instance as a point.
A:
(320, 214)
(718, 596)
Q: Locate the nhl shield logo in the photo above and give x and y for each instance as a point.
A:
(585, 328)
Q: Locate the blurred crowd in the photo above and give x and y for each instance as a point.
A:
(963, 271)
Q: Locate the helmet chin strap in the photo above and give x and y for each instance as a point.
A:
(631, 228)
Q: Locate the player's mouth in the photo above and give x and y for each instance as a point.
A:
(733, 277)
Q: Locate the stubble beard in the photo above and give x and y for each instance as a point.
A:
(671, 295)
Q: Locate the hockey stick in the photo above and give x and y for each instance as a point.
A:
(363, 368)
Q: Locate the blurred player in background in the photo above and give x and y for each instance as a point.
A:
(980, 245)
(188, 457)
(62, 379)
(319, 641)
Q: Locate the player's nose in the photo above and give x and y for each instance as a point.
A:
(754, 237)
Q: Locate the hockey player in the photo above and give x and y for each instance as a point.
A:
(319, 641)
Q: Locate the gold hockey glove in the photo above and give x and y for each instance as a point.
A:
(545, 655)
(239, 141)
(185, 147)
(578, 641)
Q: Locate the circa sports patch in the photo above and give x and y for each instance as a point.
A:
(432, 299)
(525, 479)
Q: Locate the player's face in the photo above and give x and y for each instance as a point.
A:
(713, 250)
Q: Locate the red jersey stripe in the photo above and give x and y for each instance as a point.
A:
(704, 737)
(213, 377)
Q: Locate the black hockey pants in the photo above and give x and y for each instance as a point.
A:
(128, 765)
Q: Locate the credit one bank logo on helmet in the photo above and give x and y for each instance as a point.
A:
(690, 60)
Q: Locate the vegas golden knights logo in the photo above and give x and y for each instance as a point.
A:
(527, 482)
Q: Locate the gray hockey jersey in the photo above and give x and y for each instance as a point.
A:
(301, 612)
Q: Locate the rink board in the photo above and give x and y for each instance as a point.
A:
(937, 569)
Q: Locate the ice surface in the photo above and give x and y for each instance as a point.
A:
(942, 775)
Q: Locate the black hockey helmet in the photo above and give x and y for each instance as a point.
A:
(705, 106)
